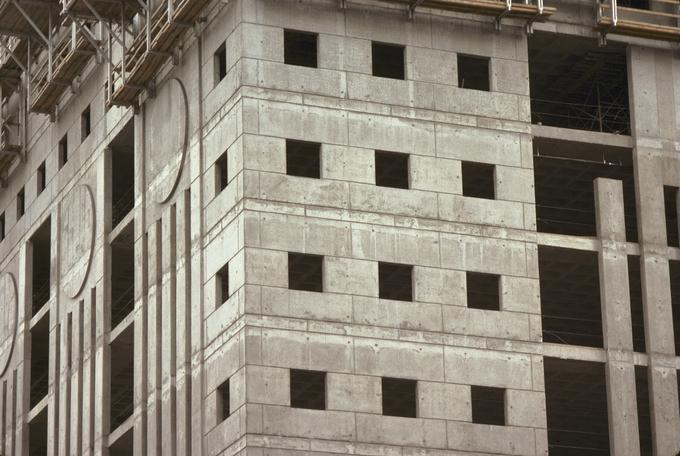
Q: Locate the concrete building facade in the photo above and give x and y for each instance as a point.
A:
(364, 226)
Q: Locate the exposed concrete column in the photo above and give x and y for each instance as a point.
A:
(616, 319)
(652, 77)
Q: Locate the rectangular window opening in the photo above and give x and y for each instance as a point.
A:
(568, 91)
(221, 173)
(644, 419)
(222, 285)
(395, 281)
(305, 272)
(122, 274)
(488, 405)
(40, 359)
(473, 72)
(21, 203)
(124, 445)
(85, 123)
(308, 389)
(223, 398)
(399, 397)
(388, 60)
(300, 48)
(570, 296)
(41, 178)
(220, 61)
(483, 291)
(40, 266)
(122, 174)
(2, 226)
(479, 180)
(62, 150)
(391, 169)
(303, 159)
(636, 309)
(674, 271)
(37, 434)
(122, 377)
(564, 175)
(576, 406)
(670, 199)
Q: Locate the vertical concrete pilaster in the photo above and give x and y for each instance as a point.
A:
(616, 318)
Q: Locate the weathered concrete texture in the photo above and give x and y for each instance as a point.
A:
(211, 362)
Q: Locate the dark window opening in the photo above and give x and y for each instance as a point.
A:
(395, 281)
(300, 48)
(473, 72)
(488, 405)
(399, 397)
(41, 178)
(62, 150)
(638, 4)
(222, 285)
(308, 389)
(670, 198)
(636, 309)
(674, 270)
(223, 398)
(391, 169)
(21, 203)
(303, 159)
(122, 377)
(570, 296)
(575, 83)
(123, 174)
(576, 406)
(2, 226)
(123, 446)
(305, 272)
(220, 61)
(85, 123)
(564, 175)
(644, 419)
(40, 359)
(40, 274)
(478, 180)
(37, 434)
(122, 275)
(483, 291)
(388, 60)
(221, 173)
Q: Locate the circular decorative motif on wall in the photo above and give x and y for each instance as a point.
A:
(175, 165)
(77, 238)
(8, 319)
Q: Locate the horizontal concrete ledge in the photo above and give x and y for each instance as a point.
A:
(589, 243)
(583, 136)
(573, 352)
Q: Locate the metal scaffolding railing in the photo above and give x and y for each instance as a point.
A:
(660, 19)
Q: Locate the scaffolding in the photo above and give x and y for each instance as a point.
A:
(660, 20)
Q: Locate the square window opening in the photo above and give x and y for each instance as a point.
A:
(303, 159)
(62, 150)
(300, 48)
(305, 272)
(391, 169)
(399, 397)
(473, 72)
(395, 281)
(308, 389)
(488, 405)
(479, 180)
(223, 404)
(483, 291)
(388, 60)
(220, 62)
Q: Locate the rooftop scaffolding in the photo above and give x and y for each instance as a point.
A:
(660, 20)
